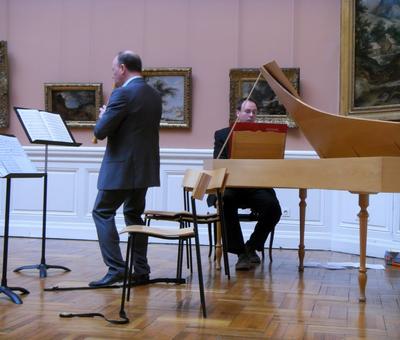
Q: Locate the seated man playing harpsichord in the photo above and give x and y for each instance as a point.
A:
(262, 201)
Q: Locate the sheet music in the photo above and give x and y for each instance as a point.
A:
(34, 124)
(13, 158)
(3, 170)
(56, 127)
(43, 125)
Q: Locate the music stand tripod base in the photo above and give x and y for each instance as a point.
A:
(42, 268)
(14, 297)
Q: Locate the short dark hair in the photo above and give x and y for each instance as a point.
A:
(242, 100)
(131, 61)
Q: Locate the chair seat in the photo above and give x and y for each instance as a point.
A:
(208, 218)
(250, 217)
(185, 216)
(160, 214)
(166, 233)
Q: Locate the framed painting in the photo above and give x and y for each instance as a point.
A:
(269, 109)
(77, 103)
(370, 56)
(4, 118)
(174, 86)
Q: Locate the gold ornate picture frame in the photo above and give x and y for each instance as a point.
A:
(369, 61)
(174, 86)
(269, 108)
(4, 101)
(77, 103)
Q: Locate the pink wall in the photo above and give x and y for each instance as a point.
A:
(75, 41)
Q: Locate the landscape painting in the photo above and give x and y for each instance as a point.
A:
(174, 87)
(77, 103)
(370, 58)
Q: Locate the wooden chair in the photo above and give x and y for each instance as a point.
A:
(243, 217)
(185, 218)
(198, 183)
(258, 141)
(253, 217)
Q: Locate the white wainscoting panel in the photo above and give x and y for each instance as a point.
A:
(331, 216)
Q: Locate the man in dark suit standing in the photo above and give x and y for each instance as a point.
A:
(130, 165)
(261, 201)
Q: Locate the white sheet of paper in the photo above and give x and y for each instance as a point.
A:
(56, 127)
(34, 124)
(341, 265)
(42, 125)
(13, 158)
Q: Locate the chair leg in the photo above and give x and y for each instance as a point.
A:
(132, 238)
(263, 254)
(271, 241)
(181, 244)
(215, 240)
(189, 261)
(223, 235)
(179, 261)
(200, 274)
(210, 242)
(126, 277)
(186, 242)
(224, 246)
(189, 255)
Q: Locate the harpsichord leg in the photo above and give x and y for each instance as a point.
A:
(363, 201)
(302, 205)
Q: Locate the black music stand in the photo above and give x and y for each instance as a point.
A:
(48, 129)
(11, 154)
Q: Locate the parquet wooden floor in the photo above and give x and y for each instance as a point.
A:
(269, 302)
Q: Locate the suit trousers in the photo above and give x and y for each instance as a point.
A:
(262, 201)
(104, 211)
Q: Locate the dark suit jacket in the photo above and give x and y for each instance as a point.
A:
(131, 124)
(219, 139)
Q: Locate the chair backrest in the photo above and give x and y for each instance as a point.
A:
(215, 180)
(199, 190)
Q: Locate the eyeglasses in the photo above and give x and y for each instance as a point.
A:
(248, 111)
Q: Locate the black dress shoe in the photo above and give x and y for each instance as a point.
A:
(107, 280)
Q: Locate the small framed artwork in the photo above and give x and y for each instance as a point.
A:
(174, 86)
(369, 60)
(3, 85)
(270, 110)
(77, 103)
